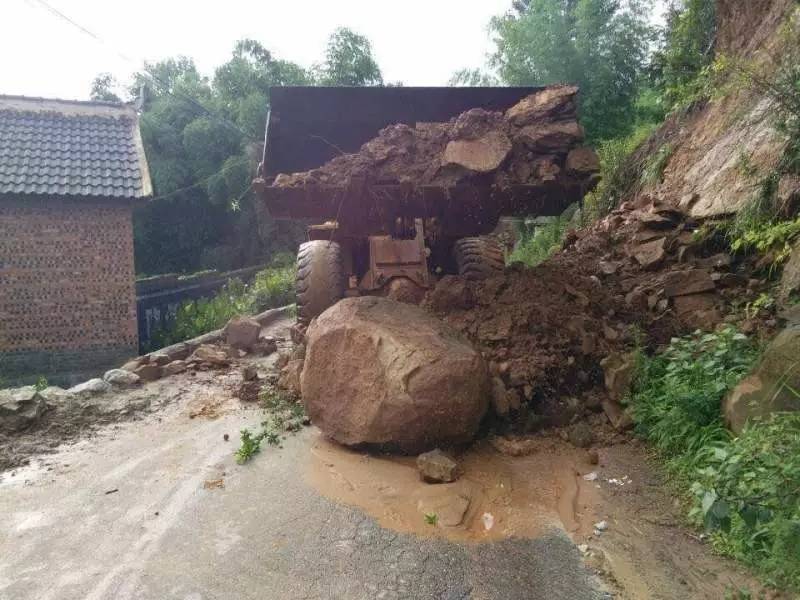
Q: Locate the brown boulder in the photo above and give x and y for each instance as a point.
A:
(583, 160)
(685, 283)
(651, 254)
(553, 102)
(386, 373)
(551, 137)
(482, 155)
(210, 354)
(242, 333)
(771, 388)
(175, 367)
(149, 372)
(437, 467)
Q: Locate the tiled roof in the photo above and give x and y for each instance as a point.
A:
(58, 147)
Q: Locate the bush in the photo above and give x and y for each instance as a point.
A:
(746, 489)
(618, 176)
(270, 288)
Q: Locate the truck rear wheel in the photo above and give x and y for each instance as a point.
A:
(479, 257)
(320, 278)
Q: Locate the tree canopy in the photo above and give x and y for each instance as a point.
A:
(203, 141)
(602, 45)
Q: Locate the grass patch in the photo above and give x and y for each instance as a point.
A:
(745, 490)
(286, 414)
(537, 244)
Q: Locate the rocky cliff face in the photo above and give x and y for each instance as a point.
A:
(707, 143)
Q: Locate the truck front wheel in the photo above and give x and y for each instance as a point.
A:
(320, 278)
(479, 257)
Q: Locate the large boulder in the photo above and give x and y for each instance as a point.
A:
(772, 387)
(380, 372)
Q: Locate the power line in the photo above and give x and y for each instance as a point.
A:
(164, 85)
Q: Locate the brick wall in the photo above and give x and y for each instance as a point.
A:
(67, 296)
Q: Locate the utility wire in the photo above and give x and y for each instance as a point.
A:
(164, 85)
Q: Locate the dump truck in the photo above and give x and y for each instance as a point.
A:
(332, 156)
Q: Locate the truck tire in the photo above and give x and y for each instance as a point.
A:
(479, 257)
(320, 278)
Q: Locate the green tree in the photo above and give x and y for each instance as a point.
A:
(348, 61)
(687, 46)
(601, 45)
(103, 88)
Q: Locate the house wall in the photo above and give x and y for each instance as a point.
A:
(67, 292)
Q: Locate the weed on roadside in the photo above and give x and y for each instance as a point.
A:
(744, 490)
(286, 414)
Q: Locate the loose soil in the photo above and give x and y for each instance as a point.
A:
(646, 552)
(389, 488)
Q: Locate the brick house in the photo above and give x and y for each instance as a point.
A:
(70, 175)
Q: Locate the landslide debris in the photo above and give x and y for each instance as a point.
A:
(537, 141)
(643, 274)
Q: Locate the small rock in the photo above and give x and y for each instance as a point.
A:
(685, 283)
(514, 446)
(93, 387)
(582, 160)
(160, 359)
(175, 367)
(608, 268)
(593, 456)
(290, 376)
(266, 346)
(488, 521)
(581, 435)
(211, 354)
(242, 333)
(449, 506)
(149, 372)
(121, 377)
(20, 408)
(619, 418)
(591, 476)
(651, 254)
(437, 467)
(618, 370)
(132, 365)
(250, 373)
(601, 526)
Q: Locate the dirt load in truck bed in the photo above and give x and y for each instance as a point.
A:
(536, 141)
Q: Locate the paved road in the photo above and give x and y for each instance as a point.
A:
(128, 516)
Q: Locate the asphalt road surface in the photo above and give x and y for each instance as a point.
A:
(158, 509)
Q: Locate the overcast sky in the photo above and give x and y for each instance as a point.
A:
(418, 42)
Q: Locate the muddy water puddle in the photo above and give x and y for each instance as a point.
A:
(496, 497)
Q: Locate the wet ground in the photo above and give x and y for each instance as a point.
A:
(157, 508)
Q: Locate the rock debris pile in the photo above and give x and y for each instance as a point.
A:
(536, 141)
